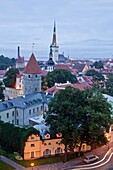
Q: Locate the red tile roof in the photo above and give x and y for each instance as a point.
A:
(80, 86)
(44, 72)
(20, 60)
(2, 72)
(32, 66)
(62, 66)
(18, 76)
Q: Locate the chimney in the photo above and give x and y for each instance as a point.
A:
(18, 51)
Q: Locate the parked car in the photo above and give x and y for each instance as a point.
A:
(90, 158)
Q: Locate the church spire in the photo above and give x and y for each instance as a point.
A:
(54, 35)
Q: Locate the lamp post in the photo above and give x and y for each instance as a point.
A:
(32, 165)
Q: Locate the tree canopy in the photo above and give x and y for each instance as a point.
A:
(10, 77)
(98, 64)
(6, 62)
(60, 76)
(81, 117)
(96, 75)
(13, 138)
(109, 84)
(1, 91)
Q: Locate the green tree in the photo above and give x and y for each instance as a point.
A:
(96, 75)
(94, 118)
(10, 77)
(13, 138)
(1, 91)
(109, 84)
(60, 76)
(81, 117)
(6, 62)
(62, 116)
(98, 64)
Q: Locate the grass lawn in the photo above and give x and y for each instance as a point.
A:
(4, 166)
(27, 163)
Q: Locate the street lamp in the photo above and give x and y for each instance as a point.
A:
(32, 165)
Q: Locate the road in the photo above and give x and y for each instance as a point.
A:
(76, 164)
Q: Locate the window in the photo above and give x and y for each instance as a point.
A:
(12, 113)
(17, 122)
(41, 108)
(47, 152)
(49, 143)
(57, 142)
(37, 109)
(45, 144)
(36, 76)
(29, 112)
(111, 128)
(0, 117)
(32, 137)
(58, 150)
(7, 115)
(36, 89)
(83, 147)
(33, 145)
(17, 112)
(34, 110)
(28, 76)
(32, 154)
(12, 121)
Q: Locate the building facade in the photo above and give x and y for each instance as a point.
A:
(37, 148)
(18, 111)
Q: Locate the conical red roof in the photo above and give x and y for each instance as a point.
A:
(32, 66)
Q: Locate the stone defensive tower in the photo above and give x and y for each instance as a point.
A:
(32, 76)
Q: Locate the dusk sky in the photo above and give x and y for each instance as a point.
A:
(84, 27)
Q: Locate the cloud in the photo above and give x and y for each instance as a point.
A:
(79, 23)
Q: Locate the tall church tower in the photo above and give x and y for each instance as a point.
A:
(54, 45)
(32, 76)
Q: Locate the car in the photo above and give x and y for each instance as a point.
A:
(90, 158)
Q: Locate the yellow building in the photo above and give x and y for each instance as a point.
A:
(37, 148)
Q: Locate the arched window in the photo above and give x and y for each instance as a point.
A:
(47, 152)
(111, 127)
(58, 150)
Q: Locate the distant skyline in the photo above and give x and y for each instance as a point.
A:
(84, 28)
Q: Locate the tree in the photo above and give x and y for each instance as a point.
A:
(80, 116)
(95, 119)
(109, 84)
(6, 62)
(96, 75)
(13, 138)
(98, 64)
(1, 91)
(10, 77)
(60, 76)
(62, 116)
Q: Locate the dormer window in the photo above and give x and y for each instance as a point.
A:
(59, 135)
(47, 136)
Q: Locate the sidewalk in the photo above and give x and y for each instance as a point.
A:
(12, 163)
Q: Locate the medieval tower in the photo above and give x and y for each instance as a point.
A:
(32, 76)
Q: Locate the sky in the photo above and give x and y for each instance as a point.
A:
(84, 27)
